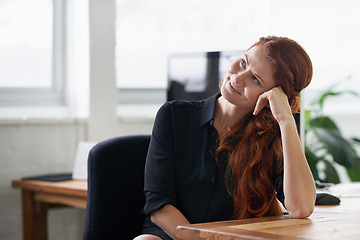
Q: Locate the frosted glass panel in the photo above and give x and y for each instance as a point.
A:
(26, 43)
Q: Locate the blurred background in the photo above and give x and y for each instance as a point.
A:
(89, 70)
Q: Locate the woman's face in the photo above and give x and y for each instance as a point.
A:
(247, 78)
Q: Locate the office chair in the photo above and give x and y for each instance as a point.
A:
(115, 195)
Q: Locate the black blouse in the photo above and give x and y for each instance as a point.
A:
(180, 167)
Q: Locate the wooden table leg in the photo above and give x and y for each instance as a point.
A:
(34, 217)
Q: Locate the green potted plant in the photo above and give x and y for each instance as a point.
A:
(325, 145)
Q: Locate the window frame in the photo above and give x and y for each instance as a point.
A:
(42, 96)
(141, 95)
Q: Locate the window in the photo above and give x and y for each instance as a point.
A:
(32, 43)
(147, 30)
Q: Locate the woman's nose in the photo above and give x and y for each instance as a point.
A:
(238, 79)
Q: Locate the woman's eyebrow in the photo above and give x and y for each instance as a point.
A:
(256, 75)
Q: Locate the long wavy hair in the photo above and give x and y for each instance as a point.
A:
(254, 149)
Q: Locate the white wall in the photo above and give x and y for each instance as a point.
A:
(31, 148)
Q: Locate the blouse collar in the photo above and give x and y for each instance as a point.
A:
(208, 109)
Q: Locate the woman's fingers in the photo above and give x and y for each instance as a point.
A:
(261, 103)
(276, 99)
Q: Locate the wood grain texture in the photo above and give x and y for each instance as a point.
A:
(326, 223)
(71, 188)
(39, 196)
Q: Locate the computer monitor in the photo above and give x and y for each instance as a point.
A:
(196, 76)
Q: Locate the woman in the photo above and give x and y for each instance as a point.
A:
(234, 155)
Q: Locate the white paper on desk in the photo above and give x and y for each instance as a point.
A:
(81, 159)
(351, 189)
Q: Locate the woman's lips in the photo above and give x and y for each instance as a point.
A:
(232, 88)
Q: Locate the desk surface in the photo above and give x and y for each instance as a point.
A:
(71, 193)
(327, 222)
(72, 187)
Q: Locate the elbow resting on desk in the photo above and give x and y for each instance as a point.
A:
(300, 201)
(301, 205)
(301, 212)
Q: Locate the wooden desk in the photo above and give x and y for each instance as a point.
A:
(39, 196)
(327, 222)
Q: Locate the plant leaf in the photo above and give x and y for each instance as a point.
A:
(354, 171)
(337, 146)
(356, 140)
(330, 172)
(323, 122)
(312, 161)
(325, 95)
(307, 117)
(329, 93)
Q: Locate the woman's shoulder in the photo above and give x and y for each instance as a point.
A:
(182, 105)
(177, 114)
(195, 104)
(186, 103)
(188, 109)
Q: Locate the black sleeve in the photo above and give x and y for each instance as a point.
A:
(159, 169)
(279, 188)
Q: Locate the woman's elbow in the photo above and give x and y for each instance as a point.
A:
(154, 217)
(301, 212)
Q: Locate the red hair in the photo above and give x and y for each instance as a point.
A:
(254, 148)
(292, 66)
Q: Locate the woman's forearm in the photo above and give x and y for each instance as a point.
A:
(168, 218)
(299, 186)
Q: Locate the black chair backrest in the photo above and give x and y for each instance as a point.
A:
(115, 196)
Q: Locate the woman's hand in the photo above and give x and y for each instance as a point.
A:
(277, 101)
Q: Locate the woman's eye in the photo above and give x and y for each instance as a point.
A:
(256, 80)
(242, 63)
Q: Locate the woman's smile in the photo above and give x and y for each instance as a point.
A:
(232, 87)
